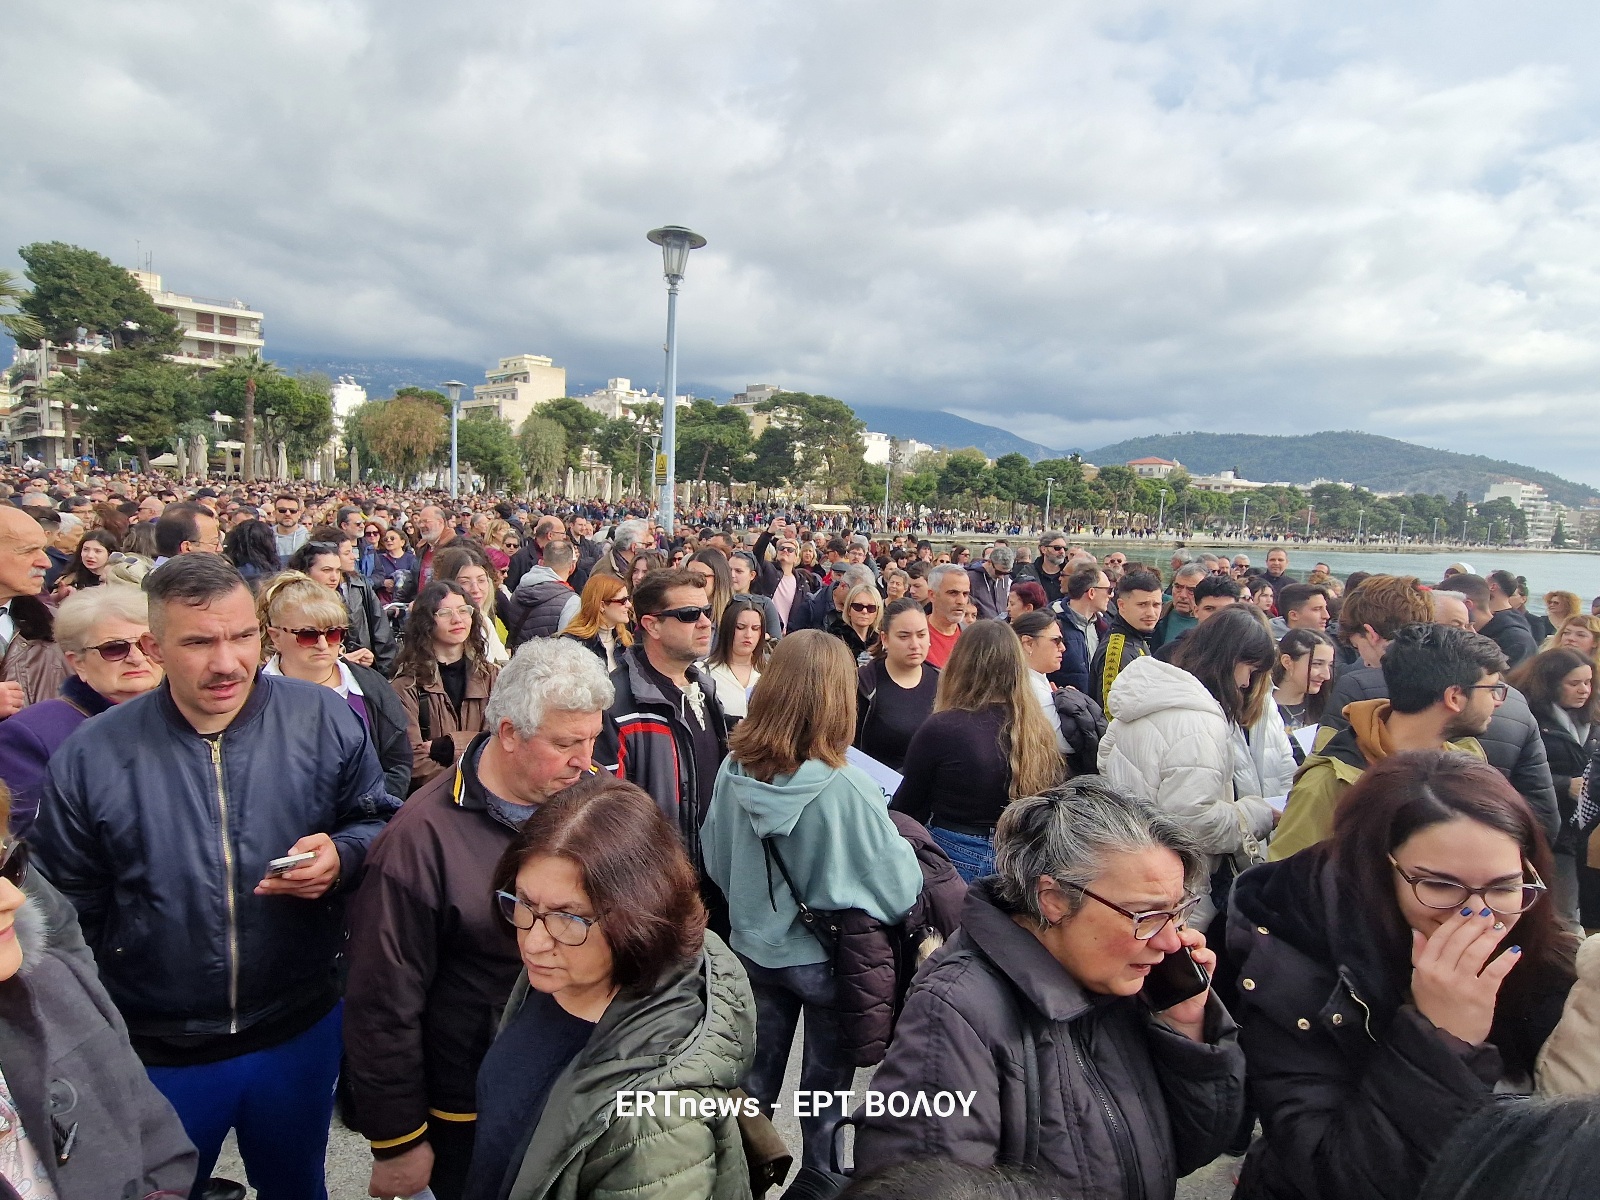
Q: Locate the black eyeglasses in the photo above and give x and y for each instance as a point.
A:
(1062, 549)
(1146, 925)
(1510, 899)
(689, 614)
(1499, 690)
(308, 638)
(115, 650)
(14, 864)
(567, 928)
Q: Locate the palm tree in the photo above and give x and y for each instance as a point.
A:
(18, 324)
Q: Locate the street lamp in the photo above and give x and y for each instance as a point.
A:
(1436, 531)
(1361, 516)
(1049, 483)
(675, 242)
(454, 387)
(1244, 521)
(1161, 515)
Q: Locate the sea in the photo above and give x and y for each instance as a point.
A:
(1545, 571)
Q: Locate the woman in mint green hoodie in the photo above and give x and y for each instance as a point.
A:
(785, 783)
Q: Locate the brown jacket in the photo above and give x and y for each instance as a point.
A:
(432, 963)
(32, 658)
(429, 716)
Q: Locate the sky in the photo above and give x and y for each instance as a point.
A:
(1080, 221)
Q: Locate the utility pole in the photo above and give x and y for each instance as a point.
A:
(1049, 483)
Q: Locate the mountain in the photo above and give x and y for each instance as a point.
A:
(381, 376)
(945, 431)
(1379, 463)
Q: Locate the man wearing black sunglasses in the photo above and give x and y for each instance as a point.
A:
(161, 828)
(666, 731)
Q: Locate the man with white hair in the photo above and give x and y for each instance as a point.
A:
(630, 537)
(991, 582)
(432, 961)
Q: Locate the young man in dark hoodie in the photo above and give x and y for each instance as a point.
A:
(1133, 621)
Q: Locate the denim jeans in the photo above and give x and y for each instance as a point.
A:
(972, 857)
(782, 993)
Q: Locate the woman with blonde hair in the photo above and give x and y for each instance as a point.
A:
(986, 744)
(791, 822)
(604, 611)
(303, 624)
(1559, 607)
(858, 626)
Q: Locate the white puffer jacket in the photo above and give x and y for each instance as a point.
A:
(1171, 744)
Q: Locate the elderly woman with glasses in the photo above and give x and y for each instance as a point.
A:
(1070, 1011)
(304, 624)
(99, 630)
(1394, 978)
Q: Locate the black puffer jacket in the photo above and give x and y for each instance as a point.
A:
(1355, 1088)
(1125, 1104)
(159, 836)
(1511, 743)
(1568, 760)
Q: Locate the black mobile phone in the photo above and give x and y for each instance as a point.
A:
(1174, 979)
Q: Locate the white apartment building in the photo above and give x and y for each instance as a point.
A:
(213, 330)
(877, 446)
(517, 386)
(1535, 503)
(1153, 468)
(618, 398)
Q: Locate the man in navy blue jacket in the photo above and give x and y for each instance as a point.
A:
(160, 821)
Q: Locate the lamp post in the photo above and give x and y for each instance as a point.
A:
(454, 387)
(1161, 514)
(888, 479)
(675, 242)
(1049, 483)
(1244, 521)
(1402, 536)
(1436, 531)
(1308, 522)
(1361, 516)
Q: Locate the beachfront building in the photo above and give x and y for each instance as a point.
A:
(1536, 506)
(517, 386)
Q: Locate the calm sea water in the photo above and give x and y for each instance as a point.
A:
(1545, 572)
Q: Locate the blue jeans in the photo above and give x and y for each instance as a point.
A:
(782, 993)
(972, 857)
(279, 1099)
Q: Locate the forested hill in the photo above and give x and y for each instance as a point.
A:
(1379, 463)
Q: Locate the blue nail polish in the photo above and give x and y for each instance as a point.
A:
(1484, 913)
(1516, 949)
(1466, 912)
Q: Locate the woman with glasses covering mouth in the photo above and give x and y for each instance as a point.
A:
(303, 623)
(1394, 978)
(1036, 1010)
(99, 631)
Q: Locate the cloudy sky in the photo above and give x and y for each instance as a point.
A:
(1079, 220)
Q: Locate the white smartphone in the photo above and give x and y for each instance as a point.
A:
(289, 862)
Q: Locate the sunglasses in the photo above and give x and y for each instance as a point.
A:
(306, 639)
(864, 608)
(115, 650)
(14, 864)
(689, 614)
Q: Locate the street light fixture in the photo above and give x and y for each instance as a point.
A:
(1161, 515)
(454, 387)
(675, 242)
(1049, 483)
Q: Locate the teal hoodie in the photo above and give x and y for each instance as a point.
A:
(831, 826)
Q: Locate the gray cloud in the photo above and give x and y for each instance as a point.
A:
(1083, 220)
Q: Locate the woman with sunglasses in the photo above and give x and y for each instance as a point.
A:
(1043, 647)
(99, 632)
(443, 677)
(304, 624)
(857, 625)
(623, 992)
(394, 571)
(1394, 978)
(68, 1077)
(602, 623)
(330, 559)
(1046, 1008)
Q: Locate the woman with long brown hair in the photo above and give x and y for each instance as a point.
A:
(787, 802)
(986, 744)
(1394, 978)
(602, 621)
(443, 677)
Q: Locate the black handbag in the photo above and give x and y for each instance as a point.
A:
(823, 924)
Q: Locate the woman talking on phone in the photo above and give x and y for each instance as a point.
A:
(1394, 978)
(1071, 1004)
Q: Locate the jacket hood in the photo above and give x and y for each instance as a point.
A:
(1368, 723)
(775, 807)
(538, 574)
(1148, 685)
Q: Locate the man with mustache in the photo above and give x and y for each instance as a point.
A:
(160, 820)
(31, 667)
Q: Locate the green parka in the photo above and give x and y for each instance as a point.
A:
(694, 1035)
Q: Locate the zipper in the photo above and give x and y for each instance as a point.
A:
(1121, 1139)
(1349, 986)
(228, 870)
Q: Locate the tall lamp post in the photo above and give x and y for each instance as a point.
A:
(1049, 483)
(675, 242)
(1161, 515)
(454, 387)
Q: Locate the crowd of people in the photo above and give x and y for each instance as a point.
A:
(527, 840)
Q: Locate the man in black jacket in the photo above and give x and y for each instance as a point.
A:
(1138, 608)
(161, 823)
(1494, 618)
